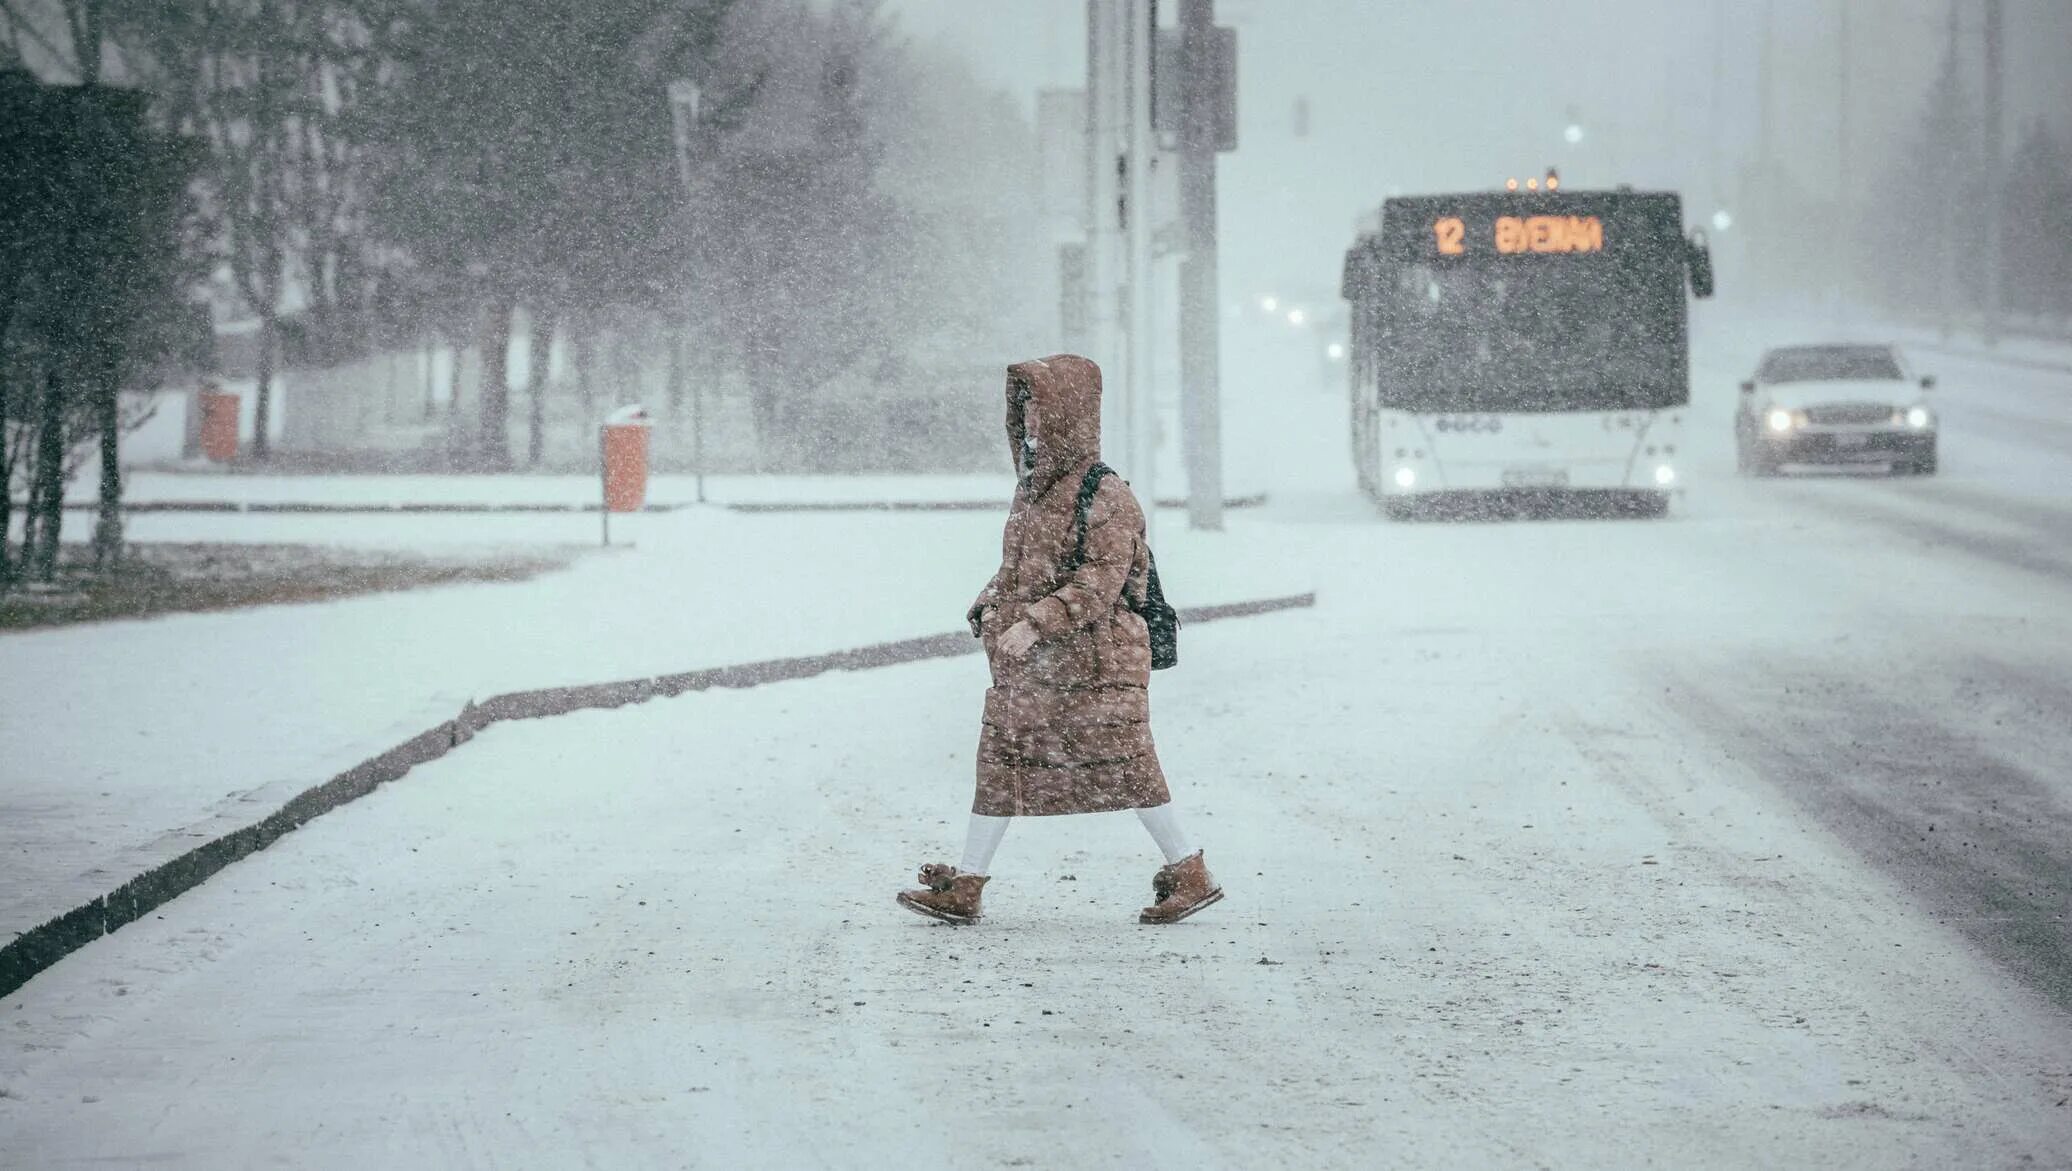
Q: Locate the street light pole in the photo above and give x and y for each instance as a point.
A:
(1106, 211)
(684, 96)
(1715, 130)
(1947, 306)
(1200, 356)
(1120, 158)
(1845, 171)
(1766, 157)
(1996, 189)
(1138, 303)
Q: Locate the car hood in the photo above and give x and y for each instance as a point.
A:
(1800, 395)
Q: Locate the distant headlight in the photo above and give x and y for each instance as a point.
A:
(1919, 418)
(1405, 478)
(1665, 475)
(1780, 419)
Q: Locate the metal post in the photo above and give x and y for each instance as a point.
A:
(1105, 166)
(1721, 197)
(1766, 255)
(1766, 82)
(1141, 403)
(1947, 299)
(1200, 356)
(698, 433)
(1845, 235)
(1996, 188)
(684, 97)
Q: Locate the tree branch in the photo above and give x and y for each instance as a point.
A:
(19, 23)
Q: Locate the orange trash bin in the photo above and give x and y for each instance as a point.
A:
(626, 459)
(218, 426)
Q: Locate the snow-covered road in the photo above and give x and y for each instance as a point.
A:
(1736, 839)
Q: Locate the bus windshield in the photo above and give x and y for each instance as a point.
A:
(1524, 334)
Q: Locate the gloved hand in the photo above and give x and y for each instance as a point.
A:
(1018, 640)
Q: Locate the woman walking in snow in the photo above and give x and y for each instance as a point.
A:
(1067, 726)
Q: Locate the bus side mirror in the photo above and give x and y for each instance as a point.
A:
(1748, 387)
(1698, 259)
(1928, 382)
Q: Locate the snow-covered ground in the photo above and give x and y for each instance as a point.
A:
(1514, 914)
(132, 742)
(1729, 839)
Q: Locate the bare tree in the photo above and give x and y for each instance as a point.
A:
(273, 90)
(94, 225)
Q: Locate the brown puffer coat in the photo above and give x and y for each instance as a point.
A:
(1067, 727)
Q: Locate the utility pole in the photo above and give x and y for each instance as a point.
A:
(1768, 244)
(1140, 157)
(1947, 301)
(1996, 187)
(1100, 184)
(1107, 207)
(1844, 236)
(1717, 134)
(1201, 409)
(1120, 157)
(684, 97)
(1766, 156)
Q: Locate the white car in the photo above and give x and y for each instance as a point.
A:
(1835, 404)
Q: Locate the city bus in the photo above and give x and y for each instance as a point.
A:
(1522, 343)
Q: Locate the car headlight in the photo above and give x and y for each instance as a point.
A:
(1779, 419)
(1665, 475)
(1919, 418)
(1405, 478)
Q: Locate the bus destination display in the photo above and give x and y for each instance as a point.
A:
(1516, 235)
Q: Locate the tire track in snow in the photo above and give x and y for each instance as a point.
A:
(2036, 553)
(1980, 840)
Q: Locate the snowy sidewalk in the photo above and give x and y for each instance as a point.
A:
(130, 743)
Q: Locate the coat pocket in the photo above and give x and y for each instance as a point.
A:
(1127, 655)
(994, 623)
(1071, 661)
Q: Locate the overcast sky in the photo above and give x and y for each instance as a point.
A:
(1427, 95)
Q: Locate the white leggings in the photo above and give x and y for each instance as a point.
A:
(983, 838)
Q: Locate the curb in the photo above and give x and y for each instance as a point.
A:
(27, 955)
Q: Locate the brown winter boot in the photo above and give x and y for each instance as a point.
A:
(950, 896)
(1182, 888)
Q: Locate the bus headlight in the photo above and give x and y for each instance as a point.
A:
(1919, 418)
(1406, 478)
(1779, 419)
(1665, 475)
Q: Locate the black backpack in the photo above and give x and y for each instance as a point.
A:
(1159, 616)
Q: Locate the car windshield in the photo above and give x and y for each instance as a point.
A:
(1829, 364)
